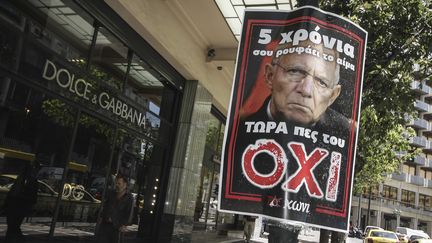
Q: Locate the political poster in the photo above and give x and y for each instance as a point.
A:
(293, 120)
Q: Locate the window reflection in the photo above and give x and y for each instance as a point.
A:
(143, 87)
(221, 138)
(213, 132)
(206, 214)
(67, 14)
(8, 52)
(31, 134)
(65, 29)
(107, 54)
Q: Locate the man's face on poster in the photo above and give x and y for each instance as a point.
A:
(302, 87)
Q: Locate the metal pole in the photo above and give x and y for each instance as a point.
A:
(107, 175)
(65, 172)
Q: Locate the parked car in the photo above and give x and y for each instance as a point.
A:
(381, 236)
(84, 209)
(412, 232)
(422, 241)
(370, 227)
(97, 187)
(414, 238)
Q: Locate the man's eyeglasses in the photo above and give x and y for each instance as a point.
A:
(297, 74)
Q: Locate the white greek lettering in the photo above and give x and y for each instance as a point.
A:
(300, 35)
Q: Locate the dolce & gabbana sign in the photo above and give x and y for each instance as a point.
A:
(85, 90)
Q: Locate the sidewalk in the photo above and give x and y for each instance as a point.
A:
(237, 236)
(38, 234)
(212, 237)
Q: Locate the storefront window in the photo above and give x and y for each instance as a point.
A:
(9, 43)
(144, 88)
(56, 45)
(31, 134)
(206, 214)
(63, 28)
(144, 85)
(12, 23)
(220, 143)
(86, 175)
(213, 133)
(108, 55)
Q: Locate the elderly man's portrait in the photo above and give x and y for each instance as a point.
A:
(302, 87)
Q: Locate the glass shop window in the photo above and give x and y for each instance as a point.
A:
(63, 28)
(109, 60)
(86, 176)
(11, 28)
(58, 37)
(34, 130)
(145, 88)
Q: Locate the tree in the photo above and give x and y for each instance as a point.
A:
(398, 52)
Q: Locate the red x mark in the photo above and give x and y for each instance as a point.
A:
(304, 174)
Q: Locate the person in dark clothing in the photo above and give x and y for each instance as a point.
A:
(20, 201)
(116, 212)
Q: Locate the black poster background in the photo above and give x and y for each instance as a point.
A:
(237, 194)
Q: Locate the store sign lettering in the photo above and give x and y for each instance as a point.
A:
(84, 89)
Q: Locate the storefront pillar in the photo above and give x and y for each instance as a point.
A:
(185, 172)
(379, 217)
(397, 221)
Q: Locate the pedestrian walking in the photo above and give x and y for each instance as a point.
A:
(116, 212)
(249, 225)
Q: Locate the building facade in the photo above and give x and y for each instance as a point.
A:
(405, 198)
(91, 89)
